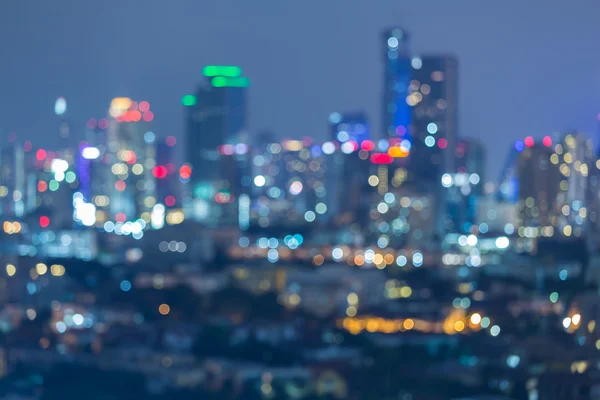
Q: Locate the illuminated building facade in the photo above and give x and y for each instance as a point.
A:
(396, 111)
(289, 183)
(403, 216)
(217, 117)
(128, 165)
(433, 96)
(465, 186)
(574, 157)
(167, 183)
(539, 186)
(508, 187)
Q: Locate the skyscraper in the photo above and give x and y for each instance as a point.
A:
(396, 111)
(132, 160)
(167, 186)
(578, 191)
(433, 97)
(465, 185)
(64, 131)
(539, 186)
(216, 116)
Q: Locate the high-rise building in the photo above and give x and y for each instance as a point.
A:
(64, 130)
(433, 97)
(349, 126)
(216, 125)
(465, 186)
(168, 184)
(539, 186)
(396, 111)
(577, 191)
(132, 160)
(508, 185)
(470, 158)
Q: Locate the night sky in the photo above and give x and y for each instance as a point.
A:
(526, 67)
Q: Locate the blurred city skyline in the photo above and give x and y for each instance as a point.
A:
(524, 70)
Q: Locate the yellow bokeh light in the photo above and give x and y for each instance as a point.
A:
(41, 268)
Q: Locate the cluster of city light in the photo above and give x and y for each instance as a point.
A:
(40, 269)
(175, 217)
(457, 322)
(461, 180)
(84, 213)
(172, 246)
(133, 228)
(123, 109)
(11, 227)
(352, 257)
(397, 290)
(382, 152)
(73, 320)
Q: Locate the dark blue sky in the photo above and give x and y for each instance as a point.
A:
(526, 67)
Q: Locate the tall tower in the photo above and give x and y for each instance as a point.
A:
(216, 117)
(397, 72)
(64, 130)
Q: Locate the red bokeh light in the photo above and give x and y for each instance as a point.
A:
(120, 185)
(144, 106)
(133, 106)
(185, 171)
(44, 221)
(103, 123)
(42, 186)
(442, 143)
(547, 141)
(381, 158)
(529, 142)
(170, 140)
(367, 145)
(121, 217)
(136, 116)
(27, 146)
(170, 168)
(40, 155)
(160, 171)
(148, 116)
(170, 201)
